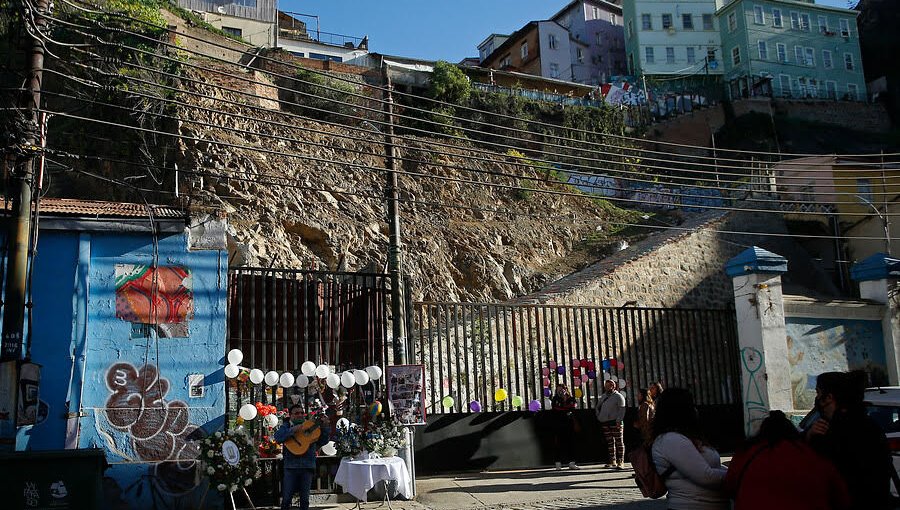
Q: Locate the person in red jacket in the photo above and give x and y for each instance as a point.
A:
(778, 469)
(563, 403)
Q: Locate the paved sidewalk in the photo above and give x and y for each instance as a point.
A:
(538, 489)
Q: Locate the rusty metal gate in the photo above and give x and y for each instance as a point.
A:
(472, 350)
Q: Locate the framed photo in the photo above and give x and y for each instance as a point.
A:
(405, 392)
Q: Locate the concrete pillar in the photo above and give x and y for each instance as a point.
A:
(878, 281)
(759, 307)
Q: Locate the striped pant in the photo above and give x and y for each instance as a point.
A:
(614, 433)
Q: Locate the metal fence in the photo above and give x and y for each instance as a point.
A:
(472, 350)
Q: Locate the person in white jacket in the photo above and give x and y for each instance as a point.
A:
(610, 412)
(691, 469)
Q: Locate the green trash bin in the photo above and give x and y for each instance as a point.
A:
(53, 479)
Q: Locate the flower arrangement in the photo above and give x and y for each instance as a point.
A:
(268, 448)
(383, 437)
(229, 460)
(348, 441)
(266, 410)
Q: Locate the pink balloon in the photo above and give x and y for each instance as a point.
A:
(546, 382)
(545, 371)
(620, 365)
(584, 377)
(578, 381)
(552, 364)
(576, 363)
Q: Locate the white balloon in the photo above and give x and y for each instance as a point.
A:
(329, 449)
(286, 380)
(271, 421)
(347, 380)
(606, 376)
(622, 383)
(302, 381)
(235, 356)
(333, 381)
(374, 372)
(308, 368)
(232, 371)
(272, 378)
(248, 411)
(256, 376)
(362, 378)
(343, 423)
(322, 371)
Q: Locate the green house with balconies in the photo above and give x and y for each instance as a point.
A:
(792, 50)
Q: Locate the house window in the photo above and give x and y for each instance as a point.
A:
(646, 22)
(845, 28)
(595, 12)
(864, 189)
(506, 62)
(579, 55)
(811, 57)
(687, 22)
(246, 3)
(784, 83)
(708, 22)
(798, 55)
(523, 50)
(823, 24)
(848, 62)
(781, 49)
(831, 90)
(613, 19)
(759, 17)
(237, 32)
(551, 41)
(736, 55)
(667, 21)
(554, 70)
(710, 54)
(827, 61)
(648, 55)
(763, 50)
(670, 55)
(776, 18)
(804, 22)
(795, 21)
(852, 92)
(732, 22)
(691, 56)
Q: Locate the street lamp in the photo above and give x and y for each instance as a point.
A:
(885, 223)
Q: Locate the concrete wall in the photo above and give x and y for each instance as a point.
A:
(858, 116)
(127, 388)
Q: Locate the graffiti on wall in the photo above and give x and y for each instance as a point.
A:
(156, 429)
(820, 345)
(756, 406)
(160, 296)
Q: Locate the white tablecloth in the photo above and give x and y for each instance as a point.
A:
(358, 476)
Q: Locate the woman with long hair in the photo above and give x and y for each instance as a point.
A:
(692, 470)
(647, 411)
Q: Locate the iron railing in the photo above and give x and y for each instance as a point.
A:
(472, 350)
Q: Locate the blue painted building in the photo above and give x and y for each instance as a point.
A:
(788, 49)
(129, 328)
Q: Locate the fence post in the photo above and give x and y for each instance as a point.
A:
(878, 276)
(759, 307)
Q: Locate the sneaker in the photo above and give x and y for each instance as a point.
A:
(609, 466)
(620, 466)
(558, 466)
(572, 465)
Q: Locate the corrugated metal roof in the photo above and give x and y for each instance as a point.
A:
(96, 209)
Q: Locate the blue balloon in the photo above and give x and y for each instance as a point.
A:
(605, 364)
(561, 370)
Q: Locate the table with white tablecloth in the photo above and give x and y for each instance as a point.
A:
(356, 477)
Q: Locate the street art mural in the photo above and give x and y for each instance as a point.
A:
(159, 296)
(823, 345)
(756, 406)
(142, 426)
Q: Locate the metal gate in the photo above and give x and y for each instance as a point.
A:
(473, 350)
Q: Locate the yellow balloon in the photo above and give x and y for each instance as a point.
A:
(500, 395)
(578, 393)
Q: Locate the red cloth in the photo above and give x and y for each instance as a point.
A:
(788, 475)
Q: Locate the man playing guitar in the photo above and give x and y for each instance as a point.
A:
(298, 435)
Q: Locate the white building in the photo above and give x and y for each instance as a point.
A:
(296, 37)
(664, 39)
(251, 20)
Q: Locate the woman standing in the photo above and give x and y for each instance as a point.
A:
(692, 470)
(647, 410)
(563, 403)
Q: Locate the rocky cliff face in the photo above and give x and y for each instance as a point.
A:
(310, 195)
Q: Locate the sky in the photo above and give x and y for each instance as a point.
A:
(431, 29)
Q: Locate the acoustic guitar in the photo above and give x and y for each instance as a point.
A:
(307, 435)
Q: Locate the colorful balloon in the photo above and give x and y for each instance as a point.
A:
(621, 383)
(620, 365)
(534, 406)
(448, 402)
(576, 372)
(552, 365)
(592, 374)
(545, 371)
(500, 395)
(561, 369)
(547, 392)
(546, 382)
(517, 401)
(585, 364)
(475, 406)
(578, 393)
(584, 378)
(605, 364)
(576, 363)
(375, 409)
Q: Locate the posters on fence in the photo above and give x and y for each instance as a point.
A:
(405, 388)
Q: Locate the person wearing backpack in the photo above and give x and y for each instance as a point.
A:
(610, 412)
(777, 465)
(693, 469)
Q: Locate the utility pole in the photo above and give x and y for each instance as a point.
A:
(19, 227)
(398, 300)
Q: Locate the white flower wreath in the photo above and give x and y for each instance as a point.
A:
(224, 475)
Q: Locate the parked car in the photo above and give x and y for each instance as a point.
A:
(883, 406)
